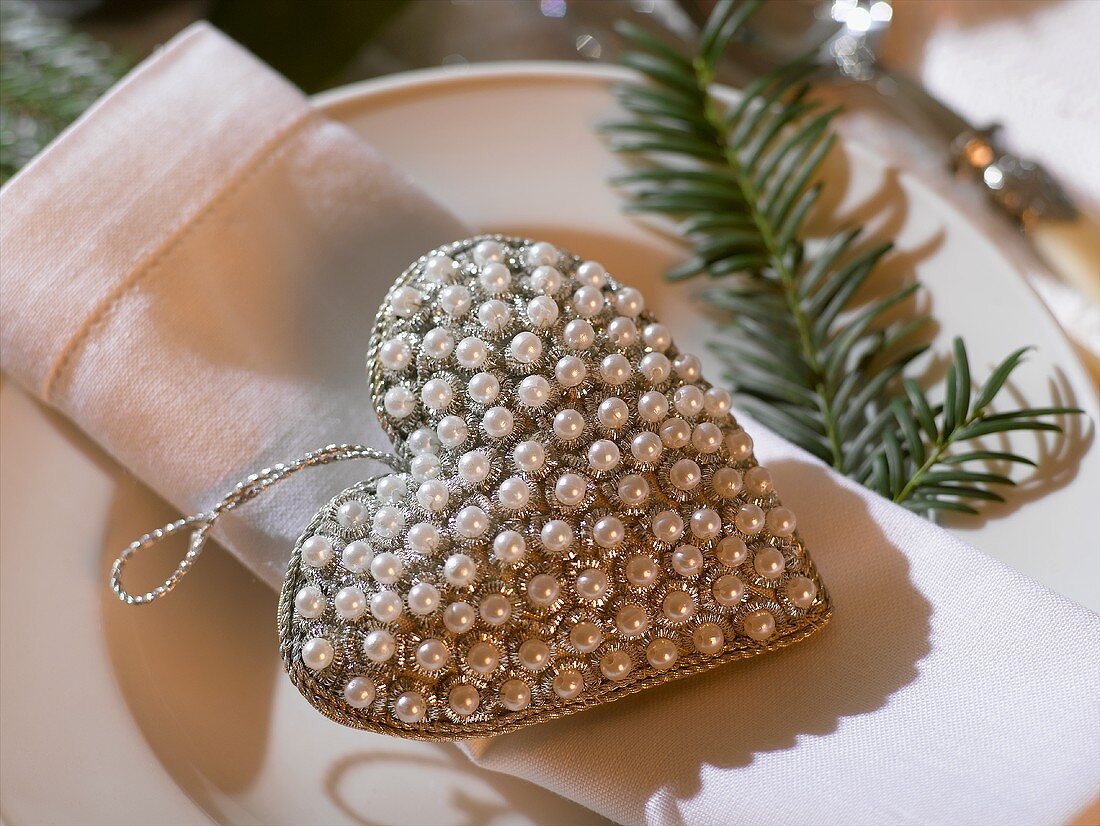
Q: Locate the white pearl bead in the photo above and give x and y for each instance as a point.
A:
(616, 665)
(498, 422)
(731, 551)
(568, 684)
(687, 366)
(440, 269)
(495, 609)
(592, 583)
(657, 337)
(452, 431)
(423, 537)
(389, 521)
(615, 369)
(717, 401)
(483, 657)
(406, 301)
(422, 440)
(529, 456)
(386, 568)
(586, 637)
(494, 315)
(588, 301)
(685, 474)
(317, 653)
(769, 563)
(473, 467)
(688, 400)
(708, 638)
(641, 571)
(687, 560)
(633, 490)
(603, 455)
(668, 526)
(379, 645)
(471, 522)
(728, 590)
(542, 310)
(534, 655)
(758, 481)
(750, 519)
(726, 482)
(399, 402)
(410, 707)
(317, 551)
(495, 278)
(309, 602)
(459, 570)
(526, 347)
(424, 466)
(350, 602)
(392, 488)
(609, 532)
(546, 280)
(464, 700)
(739, 445)
(613, 413)
(509, 547)
(646, 447)
(622, 332)
(483, 388)
(454, 299)
(542, 252)
(592, 274)
(570, 371)
(533, 391)
(675, 434)
(359, 692)
(423, 598)
(662, 653)
(438, 343)
(432, 495)
(780, 521)
(386, 606)
(471, 352)
(568, 424)
(652, 406)
(759, 625)
(655, 367)
(515, 695)
(678, 606)
(556, 535)
(542, 590)
(459, 617)
(706, 523)
(488, 252)
(632, 620)
(578, 334)
(802, 591)
(707, 438)
(432, 655)
(629, 301)
(513, 493)
(570, 489)
(395, 354)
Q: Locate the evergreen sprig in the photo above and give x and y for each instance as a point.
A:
(807, 354)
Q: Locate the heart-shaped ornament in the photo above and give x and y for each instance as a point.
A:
(581, 518)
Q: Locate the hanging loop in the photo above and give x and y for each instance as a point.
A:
(245, 490)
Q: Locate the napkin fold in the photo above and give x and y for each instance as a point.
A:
(191, 273)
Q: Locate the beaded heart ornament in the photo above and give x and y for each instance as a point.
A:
(574, 514)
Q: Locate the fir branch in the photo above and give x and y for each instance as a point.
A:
(807, 356)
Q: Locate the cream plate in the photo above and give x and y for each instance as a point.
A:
(123, 729)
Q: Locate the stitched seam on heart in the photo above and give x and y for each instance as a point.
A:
(267, 153)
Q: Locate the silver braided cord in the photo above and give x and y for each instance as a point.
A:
(245, 490)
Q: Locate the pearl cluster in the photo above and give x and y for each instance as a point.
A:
(580, 511)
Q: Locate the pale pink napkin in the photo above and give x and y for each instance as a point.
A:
(190, 274)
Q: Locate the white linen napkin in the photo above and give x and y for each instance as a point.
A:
(191, 273)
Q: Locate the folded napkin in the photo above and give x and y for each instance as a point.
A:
(191, 273)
